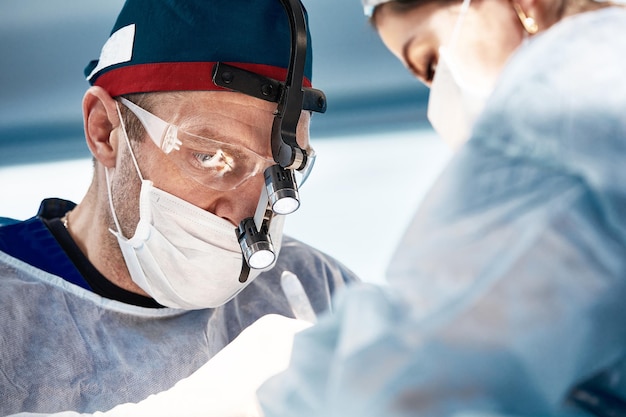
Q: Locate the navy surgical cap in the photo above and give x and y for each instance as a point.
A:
(172, 45)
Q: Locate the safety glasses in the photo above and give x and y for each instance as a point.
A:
(217, 165)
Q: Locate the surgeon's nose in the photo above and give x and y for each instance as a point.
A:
(240, 203)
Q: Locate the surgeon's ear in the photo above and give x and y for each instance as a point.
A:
(100, 118)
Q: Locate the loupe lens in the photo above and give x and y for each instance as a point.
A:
(261, 259)
(286, 205)
(256, 245)
(282, 191)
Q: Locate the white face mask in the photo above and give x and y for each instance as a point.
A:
(454, 104)
(181, 255)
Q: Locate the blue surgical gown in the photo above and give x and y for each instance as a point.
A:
(509, 286)
(63, 347)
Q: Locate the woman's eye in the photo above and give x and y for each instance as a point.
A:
(431, 67)
(423, 68)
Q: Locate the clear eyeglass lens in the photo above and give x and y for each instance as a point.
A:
(217, 165)
(303, 175)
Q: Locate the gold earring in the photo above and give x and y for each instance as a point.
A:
(529, 23)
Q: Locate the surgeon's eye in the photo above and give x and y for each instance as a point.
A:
(203, 158)
(219, 160)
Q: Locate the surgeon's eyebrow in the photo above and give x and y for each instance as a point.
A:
(198, 140)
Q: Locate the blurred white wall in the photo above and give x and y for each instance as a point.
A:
(355, 205)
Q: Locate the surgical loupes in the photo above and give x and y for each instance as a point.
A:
(280, 194)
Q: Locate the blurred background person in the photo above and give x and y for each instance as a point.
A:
(506, 291)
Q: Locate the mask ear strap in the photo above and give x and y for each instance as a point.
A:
(132, 155)
(457, 27)
(108, 179)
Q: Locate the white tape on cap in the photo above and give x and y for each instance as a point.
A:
(117, 49)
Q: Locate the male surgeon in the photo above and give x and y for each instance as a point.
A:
(134, 288)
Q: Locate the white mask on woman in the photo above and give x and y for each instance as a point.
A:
(181, 255)
(454, 104)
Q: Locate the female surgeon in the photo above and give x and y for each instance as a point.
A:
(506, 294)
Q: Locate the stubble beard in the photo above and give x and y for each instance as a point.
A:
(125, 190)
